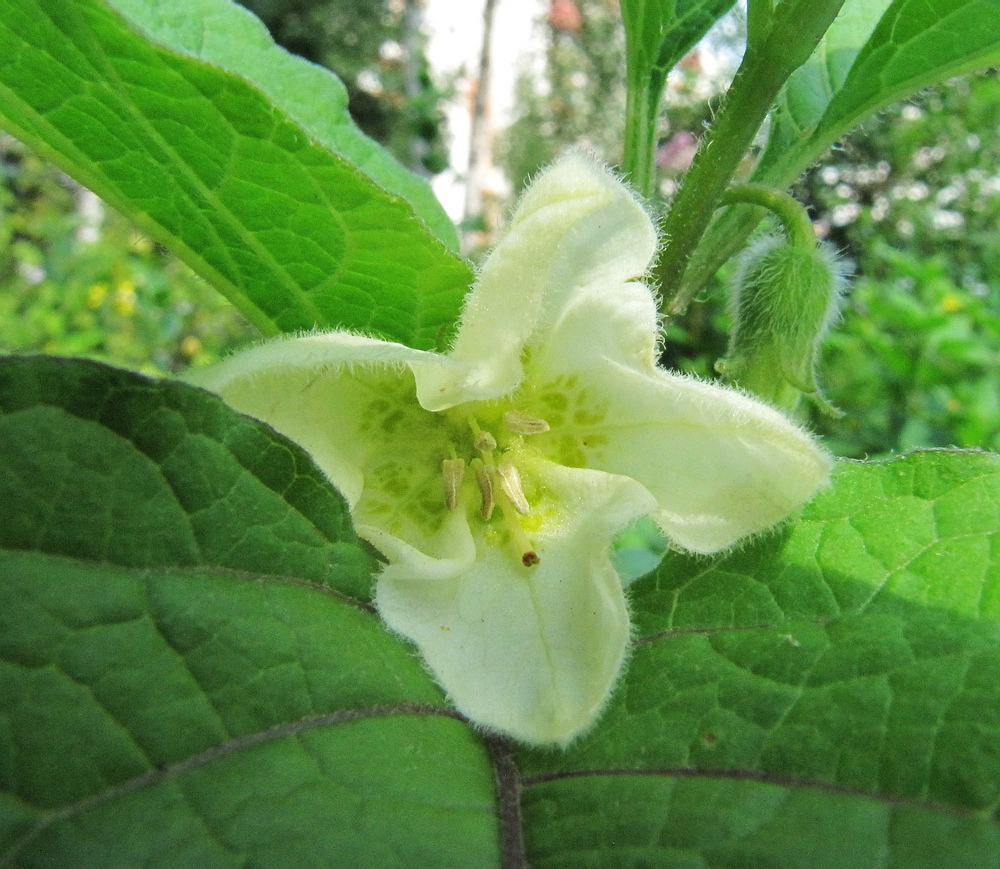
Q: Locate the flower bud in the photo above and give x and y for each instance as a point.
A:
(785, 298)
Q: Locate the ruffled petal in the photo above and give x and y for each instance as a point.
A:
(576, 225)
(720, 464)
(350, 402)
(532, 652)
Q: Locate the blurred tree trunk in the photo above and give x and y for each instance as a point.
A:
(480, 150)
(413, 88)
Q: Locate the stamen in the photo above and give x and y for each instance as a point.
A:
(484, 478)
(521, 423)
(510, 483)
(452, 470)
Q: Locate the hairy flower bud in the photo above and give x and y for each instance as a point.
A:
(785, 298)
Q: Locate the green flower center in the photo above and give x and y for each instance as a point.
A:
(421, 466)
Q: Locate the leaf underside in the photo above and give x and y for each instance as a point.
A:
(877, 52)
(243, 162)
(659, 34)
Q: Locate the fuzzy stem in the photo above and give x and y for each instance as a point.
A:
(642, 103)
(792, 214)
(759, 14)
(796, 28)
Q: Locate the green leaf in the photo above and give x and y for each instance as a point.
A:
(809, 90)
(228, 36)
(825, 697)
(190, 672)
(659, 33)
(859, 68)
(874, 54)
(238, 157)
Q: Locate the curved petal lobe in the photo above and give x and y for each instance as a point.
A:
(575, 225)
(528, 651)
(334, 394)
(720, 464)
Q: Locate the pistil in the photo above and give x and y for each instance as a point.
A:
(529, 558)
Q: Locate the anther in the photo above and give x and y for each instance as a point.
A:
(521, 423)
(484, 478)
(510, 483)
(452, 470)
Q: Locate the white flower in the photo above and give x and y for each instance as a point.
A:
(494, 477)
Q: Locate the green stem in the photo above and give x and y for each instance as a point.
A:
(796, 28)
(759, 13)
(642, 104)
(792, 214)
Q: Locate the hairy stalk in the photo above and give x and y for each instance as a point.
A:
(796, 28)
(793, 216)
(642, 103)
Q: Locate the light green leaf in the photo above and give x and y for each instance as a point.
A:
(826, 697)
(875, 54)
(228, 36)
(238, 157)
(657, 35)
(660, 32)
(859, 68)
(190, 673)
(809, 90)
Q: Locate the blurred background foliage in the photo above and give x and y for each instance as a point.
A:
(377, 49)
(77, 279)
(912, 201)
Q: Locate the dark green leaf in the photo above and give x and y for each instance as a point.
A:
(240, 158)
(105, 466)
(827, 697)
(190, 674)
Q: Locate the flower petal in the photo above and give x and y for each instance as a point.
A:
(575, 225)
(348, 400)
(720, 464)
(532, 652)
